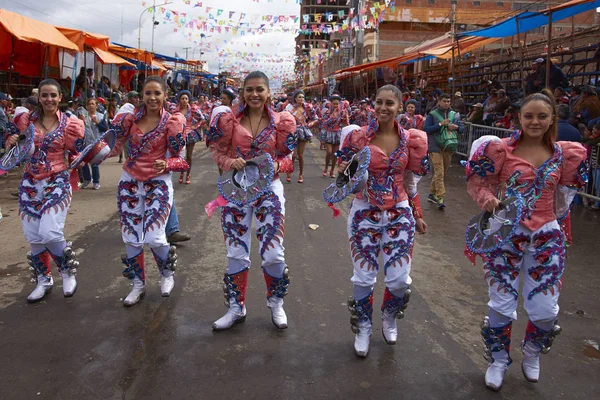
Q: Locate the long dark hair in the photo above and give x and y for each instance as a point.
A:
(547, 97)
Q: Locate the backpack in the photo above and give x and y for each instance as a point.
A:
(446, 139)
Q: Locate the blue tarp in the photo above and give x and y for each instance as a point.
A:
(425, 58)
(157, 55)
(530, 20)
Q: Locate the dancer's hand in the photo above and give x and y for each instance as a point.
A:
(238, 164)
(11, 141)
(342, 167)
(421, 226)
(159, 166)
(491, 204)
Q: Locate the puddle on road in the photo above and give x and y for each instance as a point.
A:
(591, 349)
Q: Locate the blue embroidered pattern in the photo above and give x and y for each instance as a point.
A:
(550, 258)
(480, 164)
(156, 191)
(269, 205)
(400, 220)
(502, 266)
(143, 145)
(365, 243)
(233, 228)
(50, 142)
(56, 194)
(127, 197)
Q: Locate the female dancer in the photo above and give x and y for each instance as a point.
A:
(233, 139)
(543, 172)
(335, 117)
(305, 121)
(384, 215)
(45, 191)
(227, 97)
(145, 191)
(362, 115)
(410, 120)
(95, 125)
(193, 121)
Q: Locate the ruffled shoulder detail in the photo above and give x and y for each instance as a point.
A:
(418, 160)
(574, 165)
(285, 123)
(487, 157)
(222, 124)
(74, 127)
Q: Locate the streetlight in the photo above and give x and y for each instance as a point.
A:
(154, 22)
(202, 36)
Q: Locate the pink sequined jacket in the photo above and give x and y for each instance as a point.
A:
(228, 139)
(53, 148)
(306, 117)
(144, 149)
(547, 191)
(392, 178)
(194, 119)
(335, 119)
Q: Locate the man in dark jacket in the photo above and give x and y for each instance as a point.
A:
(566, 131)
(440, 119)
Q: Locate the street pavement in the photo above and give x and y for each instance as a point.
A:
(91, 347)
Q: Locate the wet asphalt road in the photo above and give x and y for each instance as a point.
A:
(91, 347)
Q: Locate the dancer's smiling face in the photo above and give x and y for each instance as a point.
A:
(536, 118)
(387, 106)
(154, 96)
(256, 92)
(49, 98)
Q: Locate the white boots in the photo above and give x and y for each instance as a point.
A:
(389, 328)
(69, 283)
(135, 270)
(278, 316)
(137, 292)
(42, 288)
(235, 315)
(361, 323)
(167, 282)
(39, 265)
(531, 362)
(362, 338)
(537, 340)
(494, 376)
(234, 287)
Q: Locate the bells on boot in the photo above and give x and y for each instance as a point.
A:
(137, 292)
(392, 308)
(361, 316)
(234, 288)
(39, 266)
(278, 316)
(537, 341)
(496, 341)
(167, 271)
(135, 271)
(67, 265)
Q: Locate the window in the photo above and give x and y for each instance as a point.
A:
(476, 3)
(408, 1)
(431, 1)
(500, 4)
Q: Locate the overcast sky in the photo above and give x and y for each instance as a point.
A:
(119, 19)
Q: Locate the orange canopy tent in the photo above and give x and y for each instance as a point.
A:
(97, 42)
(26, 45)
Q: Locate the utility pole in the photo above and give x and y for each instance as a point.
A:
(360, 34)
(186, 52)
(154, 23)
(452, 41)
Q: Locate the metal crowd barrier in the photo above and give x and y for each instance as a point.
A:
(474, 132)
